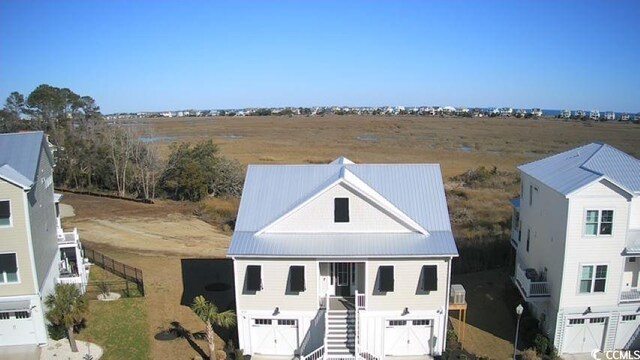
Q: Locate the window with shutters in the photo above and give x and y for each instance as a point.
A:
(341, 210)
(8, 268)
(296, 278)
(385, 278)
(253, 278)
(429, 278)
(5, 213)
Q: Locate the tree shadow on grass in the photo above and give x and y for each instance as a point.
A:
(180, 332)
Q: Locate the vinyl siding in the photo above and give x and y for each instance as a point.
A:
(43, 219)
(406, 291)
(14, 239)
(582, 249)
(275, 273)
(634, 216)
(548, 233)
(317, 215)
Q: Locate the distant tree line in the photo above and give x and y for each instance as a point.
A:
(94, 155)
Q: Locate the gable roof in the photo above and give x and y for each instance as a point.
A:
(572, 170)
(19, 157)
(272, 191)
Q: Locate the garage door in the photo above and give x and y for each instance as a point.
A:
(627, 337)
(407, 337)
(274, 336)
(17, 328)
(582, 335)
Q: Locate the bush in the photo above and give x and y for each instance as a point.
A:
(104, 287)
(56, 332)
(452, 336)
(239, 354)
(541, 344)
(529, 354)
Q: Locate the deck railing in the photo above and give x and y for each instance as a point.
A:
(631, 295)
(76, 280)
(310, 346)
(529, 287)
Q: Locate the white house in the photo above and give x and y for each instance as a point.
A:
(594, 115)
(33, 246)
(341, 259)
(610, 116)
(576, 234)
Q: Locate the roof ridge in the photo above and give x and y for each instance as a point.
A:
(584, 163)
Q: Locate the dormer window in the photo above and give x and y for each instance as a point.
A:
(341, 210)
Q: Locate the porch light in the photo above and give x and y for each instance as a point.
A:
(405, 311)
(588, 311)
(276, 311)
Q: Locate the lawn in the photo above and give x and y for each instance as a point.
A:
(120, 327)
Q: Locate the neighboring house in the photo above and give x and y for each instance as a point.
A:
(610, 116)
(594, 115)
(29, 244)
(576, 232)
(537, 112)
(565, 114)
(341, 259)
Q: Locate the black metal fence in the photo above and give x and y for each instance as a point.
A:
(125, 288)
(128, 273)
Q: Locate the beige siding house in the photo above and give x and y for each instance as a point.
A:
(30, 237)
(343, 260)
(576, 234)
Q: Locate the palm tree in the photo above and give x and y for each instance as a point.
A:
(66, 307)
(208, 313)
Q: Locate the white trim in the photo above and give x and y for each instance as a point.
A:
(3, 274)
(593, 279)
(599, 179)
(584, 222)
(10, 225)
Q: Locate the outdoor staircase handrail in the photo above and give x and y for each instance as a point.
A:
(357, 329)
(326, 321)
(633, 338)
(316, 331)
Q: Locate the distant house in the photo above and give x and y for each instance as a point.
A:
(536, 112)
(565, 114)
(576, 235)
(625, 117)
(594, 115)
(506, 111)
(343, 261)
(610, 116)
(579, 114)
(35, 253)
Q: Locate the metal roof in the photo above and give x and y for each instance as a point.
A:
(438, 243)
(21, 152)
(272, 191)
(571, 170)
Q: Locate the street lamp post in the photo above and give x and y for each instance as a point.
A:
(519, 310)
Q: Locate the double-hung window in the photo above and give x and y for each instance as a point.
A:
(599, 222)
(8, 268)
(5, 213)
(593, 278)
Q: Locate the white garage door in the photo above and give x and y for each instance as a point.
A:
(274, 337)
(17, 328)
(582, 335)
(628, 326)
(407, 337)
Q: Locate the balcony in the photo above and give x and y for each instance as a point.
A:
(530, 284)
(630, 296)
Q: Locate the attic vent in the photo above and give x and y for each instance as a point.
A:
(385, 277)
(253, 278)
(429, 278)
(296, 278)
(341, 210)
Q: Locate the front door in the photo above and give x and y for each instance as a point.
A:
(343, 278)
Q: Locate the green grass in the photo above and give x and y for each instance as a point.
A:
(119, 327)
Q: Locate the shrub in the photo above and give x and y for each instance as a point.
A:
(104, 287)
(529, 354)
(239, 354)
(541, 344)
(452, 336)
(56, 332)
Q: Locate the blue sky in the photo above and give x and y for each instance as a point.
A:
(161, 55)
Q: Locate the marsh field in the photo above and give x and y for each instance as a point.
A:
(159, 238)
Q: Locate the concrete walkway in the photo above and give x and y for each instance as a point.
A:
(20, 352)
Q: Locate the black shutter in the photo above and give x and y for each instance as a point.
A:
(296, 278)
(254, 279)
(341, 210)
(429, 278)
(8, 263)
(385, 278)
(5, 210)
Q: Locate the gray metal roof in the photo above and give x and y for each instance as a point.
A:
(272, 191)
(21, 152)
(576, 168)
(438, 243)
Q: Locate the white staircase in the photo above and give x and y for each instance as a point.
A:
(612, 330)
(340, 334)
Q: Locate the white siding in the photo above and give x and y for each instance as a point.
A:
(406, 291)
(547, 229)
(275, 274)
(606, 249)
(634, 216)
(317, 216)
